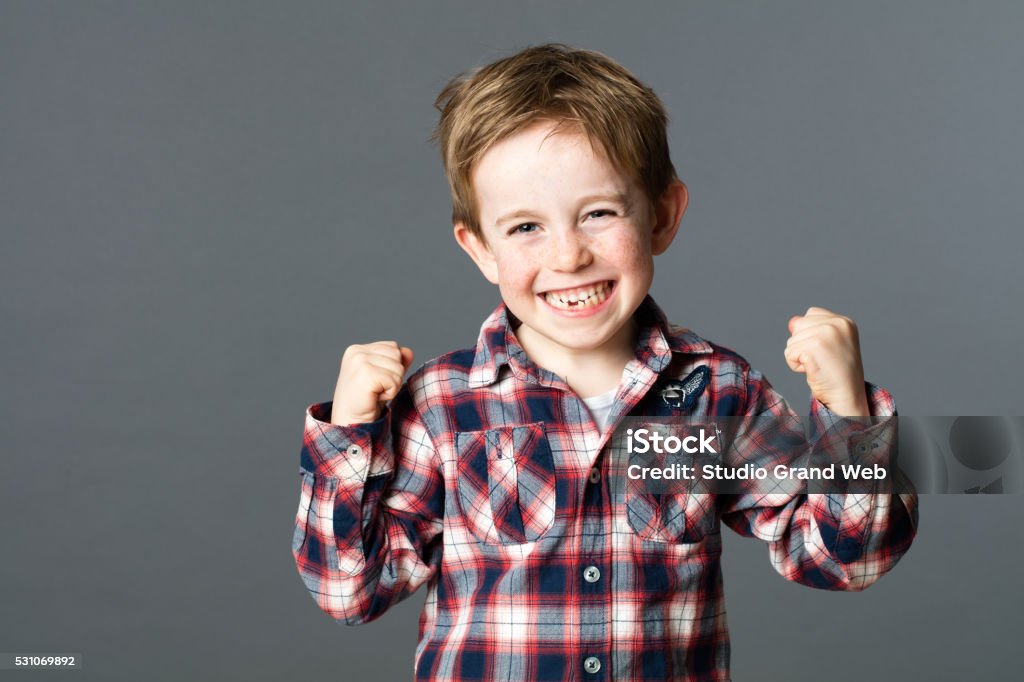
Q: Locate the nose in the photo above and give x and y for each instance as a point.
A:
(571, 251)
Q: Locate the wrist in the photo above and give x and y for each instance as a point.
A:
(851, 407)
(339, 418)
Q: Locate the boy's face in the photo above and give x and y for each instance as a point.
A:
(568, 240)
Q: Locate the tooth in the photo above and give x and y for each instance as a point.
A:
(575, 299)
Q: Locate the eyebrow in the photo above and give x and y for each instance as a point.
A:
(615, 197)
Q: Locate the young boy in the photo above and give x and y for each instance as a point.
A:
(486, 477)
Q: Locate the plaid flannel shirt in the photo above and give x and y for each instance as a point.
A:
(483, 480)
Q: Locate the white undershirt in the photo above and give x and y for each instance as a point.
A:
(600, 407)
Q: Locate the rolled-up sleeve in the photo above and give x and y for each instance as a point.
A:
(834, 540)
(367, 531)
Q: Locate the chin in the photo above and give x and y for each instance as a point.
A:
(581, 342)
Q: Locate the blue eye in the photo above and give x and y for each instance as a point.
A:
(601, 210)
(516, 229)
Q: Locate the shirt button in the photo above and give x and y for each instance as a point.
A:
(591, 574)
(355, 450)
(592, 664)
(595, 475)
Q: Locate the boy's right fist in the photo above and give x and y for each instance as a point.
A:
(370, 375)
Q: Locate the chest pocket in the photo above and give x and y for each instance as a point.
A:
(506, 483)
(672, 510)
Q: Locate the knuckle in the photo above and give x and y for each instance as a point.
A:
(359, 373)
(388, 349)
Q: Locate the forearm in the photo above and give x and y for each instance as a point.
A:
(356, 554)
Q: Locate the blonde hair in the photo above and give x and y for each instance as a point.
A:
(553, 82)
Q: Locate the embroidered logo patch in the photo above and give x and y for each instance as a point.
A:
(681, 395)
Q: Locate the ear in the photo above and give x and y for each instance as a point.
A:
(668, 212)
(478, 250)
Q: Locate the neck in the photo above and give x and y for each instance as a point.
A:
(589, 372)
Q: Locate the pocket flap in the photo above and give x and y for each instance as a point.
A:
(506, 483)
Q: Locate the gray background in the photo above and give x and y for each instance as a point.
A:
(203, 204)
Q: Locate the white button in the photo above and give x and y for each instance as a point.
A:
(592, 664)
(591, 574)
(355, 450)
(595, 475)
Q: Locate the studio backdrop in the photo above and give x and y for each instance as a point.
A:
(203, 204)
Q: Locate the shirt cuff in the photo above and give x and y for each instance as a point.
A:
(856, 440)
(342, 452)
(827, 424)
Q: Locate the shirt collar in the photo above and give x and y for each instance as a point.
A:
(657, 339)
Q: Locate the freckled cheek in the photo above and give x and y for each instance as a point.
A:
(629, 254)
(517, 273)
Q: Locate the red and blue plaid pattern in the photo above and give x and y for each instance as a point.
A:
(486, 480)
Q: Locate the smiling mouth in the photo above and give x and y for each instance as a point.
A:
(581, 297)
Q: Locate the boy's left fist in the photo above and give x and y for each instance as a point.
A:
(825, 346)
